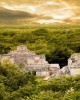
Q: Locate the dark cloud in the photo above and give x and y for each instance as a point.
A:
(12, 16)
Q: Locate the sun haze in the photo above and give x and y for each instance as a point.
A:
(42, 11)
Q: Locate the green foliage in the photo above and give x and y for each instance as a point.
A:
(13, 80)
(72, 95)
(47, 95)
(61, 55)
(18, 85)
(3, 94)
(57, 43)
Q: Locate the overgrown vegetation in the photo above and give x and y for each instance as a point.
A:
(57, 42)
(18, 85)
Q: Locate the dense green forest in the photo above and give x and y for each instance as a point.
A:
(18, 85)
(57, 42)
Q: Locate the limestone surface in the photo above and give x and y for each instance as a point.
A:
(30, 61)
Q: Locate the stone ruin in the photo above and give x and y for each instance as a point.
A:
(30, 61)
(74, 64)
(37, 64)
(72, 69)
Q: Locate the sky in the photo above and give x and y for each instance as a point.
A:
(44, 11)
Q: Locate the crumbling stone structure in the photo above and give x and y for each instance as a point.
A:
(74, 64)
(72, 69)
(31, 61)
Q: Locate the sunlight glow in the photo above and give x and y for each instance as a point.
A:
(48, 21)
(50, 3)
(58, 11)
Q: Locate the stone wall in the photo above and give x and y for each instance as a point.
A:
(42, 73)
(74, 64)
(31, 61)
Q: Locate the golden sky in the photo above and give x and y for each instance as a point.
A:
(46, 11)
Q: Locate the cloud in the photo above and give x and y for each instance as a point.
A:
(13, 17)
(58, 10)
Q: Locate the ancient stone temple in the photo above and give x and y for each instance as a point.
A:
(72, 69)
(31, 61)
(74, 64)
